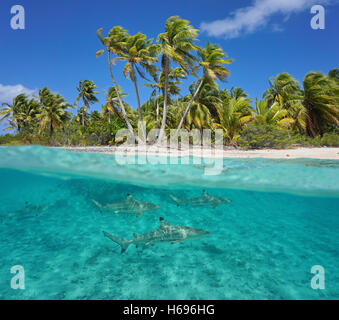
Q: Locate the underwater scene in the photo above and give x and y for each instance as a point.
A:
(88, 226)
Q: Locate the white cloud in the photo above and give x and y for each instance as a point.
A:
(8, 92)
(250, 19)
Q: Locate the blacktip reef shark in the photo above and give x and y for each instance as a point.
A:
(204, 200)
(165, 233)
(37, 209)
(32, 208)
(27, 209)
(130, 205)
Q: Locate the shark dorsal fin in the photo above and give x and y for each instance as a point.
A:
(164, 223)
(129, 197)
(135, 235)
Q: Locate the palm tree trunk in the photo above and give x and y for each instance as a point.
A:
(83, 111)
(190, 105)
(164, 112)
(109, 117)
(51, 129)
(134, 79)
(157, 123)
(130, 128)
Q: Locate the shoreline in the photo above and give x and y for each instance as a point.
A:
(328, 153)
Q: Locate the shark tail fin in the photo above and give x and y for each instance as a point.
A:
(176, 200)
(98, 205)
(123, 243)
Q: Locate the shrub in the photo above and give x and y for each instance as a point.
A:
(330, 139)
(256, 136)
(23, 139)
(305, 141)
(6, 139)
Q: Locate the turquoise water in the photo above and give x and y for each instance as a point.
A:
(283, 219)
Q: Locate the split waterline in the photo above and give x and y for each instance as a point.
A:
(283, 220)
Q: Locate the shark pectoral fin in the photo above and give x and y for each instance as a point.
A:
(116, 211)
(178, 240)
(100, 207)
(148, 243)
(214, 205)
(176, 200)
(139, 213)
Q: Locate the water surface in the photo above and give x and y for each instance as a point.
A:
(283, 219)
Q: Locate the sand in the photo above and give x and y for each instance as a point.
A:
(226, 152)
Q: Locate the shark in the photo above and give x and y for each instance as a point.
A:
(31, 208)
(38, 209)
(130, 205)
(204, 200)
(165, 233)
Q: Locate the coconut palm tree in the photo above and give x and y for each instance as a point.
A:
(11, 112)
(87, 95)
(233, 114)
(114, 44)
(112, 102)
(138, 51)
(177, 43)
(28, 115)
(298, 113)
(320, 101)
(212, 61)
(334, 75)
(83, 116)
(199, 117)
(172, 87)
(209, 96)
(149, 109)
(284, 89)
(236, 92)
(53, 111)
(274, 115)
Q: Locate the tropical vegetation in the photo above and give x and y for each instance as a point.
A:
(287, 114)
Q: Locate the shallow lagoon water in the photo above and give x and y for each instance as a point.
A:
(283, 219)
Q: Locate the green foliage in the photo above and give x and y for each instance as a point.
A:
(256, 136)
(101, 132)
(23, 139)
(330, 139)
(97, 132)
(289, 114)
(233, 114)
(7, 139)
(264, 136)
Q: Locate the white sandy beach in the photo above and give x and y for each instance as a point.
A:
(314, 153)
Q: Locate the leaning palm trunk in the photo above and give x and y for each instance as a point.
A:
(157, 123)
(164, 115)
(189, 106)
(139, 106)
(130, 128)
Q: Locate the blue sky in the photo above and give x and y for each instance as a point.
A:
(264, 37)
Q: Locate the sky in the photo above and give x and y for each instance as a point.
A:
(264, 37)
